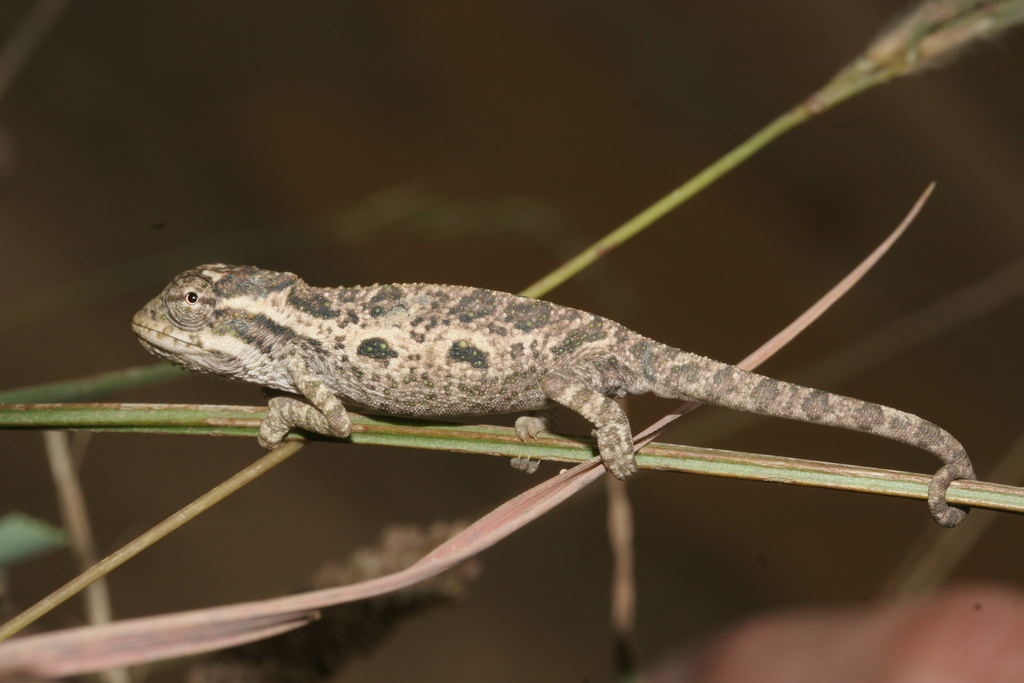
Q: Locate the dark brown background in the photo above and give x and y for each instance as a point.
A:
(144, 130)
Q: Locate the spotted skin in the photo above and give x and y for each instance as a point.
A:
(425, 350)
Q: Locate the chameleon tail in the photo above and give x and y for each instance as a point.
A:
(684, 375)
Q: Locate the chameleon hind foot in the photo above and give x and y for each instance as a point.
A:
(615, 444)
(527, 428)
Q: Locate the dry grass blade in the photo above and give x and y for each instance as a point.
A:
(119, 557)
(75, 517)
(623, 594)
(769, 348)
(952, 311)
(74, 513)
(135, 641)
(323, 649)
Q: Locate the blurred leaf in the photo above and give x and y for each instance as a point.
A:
(93, 387)
(23, 537)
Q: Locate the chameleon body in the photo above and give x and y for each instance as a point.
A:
(426, 350)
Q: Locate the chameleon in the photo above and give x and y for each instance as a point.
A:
(425, 350)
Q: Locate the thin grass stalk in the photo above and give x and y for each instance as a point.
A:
(119, 557)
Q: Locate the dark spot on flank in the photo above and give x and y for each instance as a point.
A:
(352, 317)
(375, 347)
(516, 350)
(309, 300)
(528, 315)
(816, 405)
(476, 305)
(463, 352)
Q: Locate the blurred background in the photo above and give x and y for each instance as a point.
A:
(483, 144)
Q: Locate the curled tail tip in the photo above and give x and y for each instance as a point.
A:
(946, 515)
(943, 513)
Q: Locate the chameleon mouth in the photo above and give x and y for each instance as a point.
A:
(183, 352)
(151, 337)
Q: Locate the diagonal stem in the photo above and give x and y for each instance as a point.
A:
(115, 559)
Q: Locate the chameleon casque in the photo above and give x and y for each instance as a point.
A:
(424, 350)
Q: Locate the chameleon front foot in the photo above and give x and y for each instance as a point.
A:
(286, 413)
(943, 512)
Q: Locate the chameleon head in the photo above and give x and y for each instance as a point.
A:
(201, 320)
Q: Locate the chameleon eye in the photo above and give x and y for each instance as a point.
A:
(190, 301)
